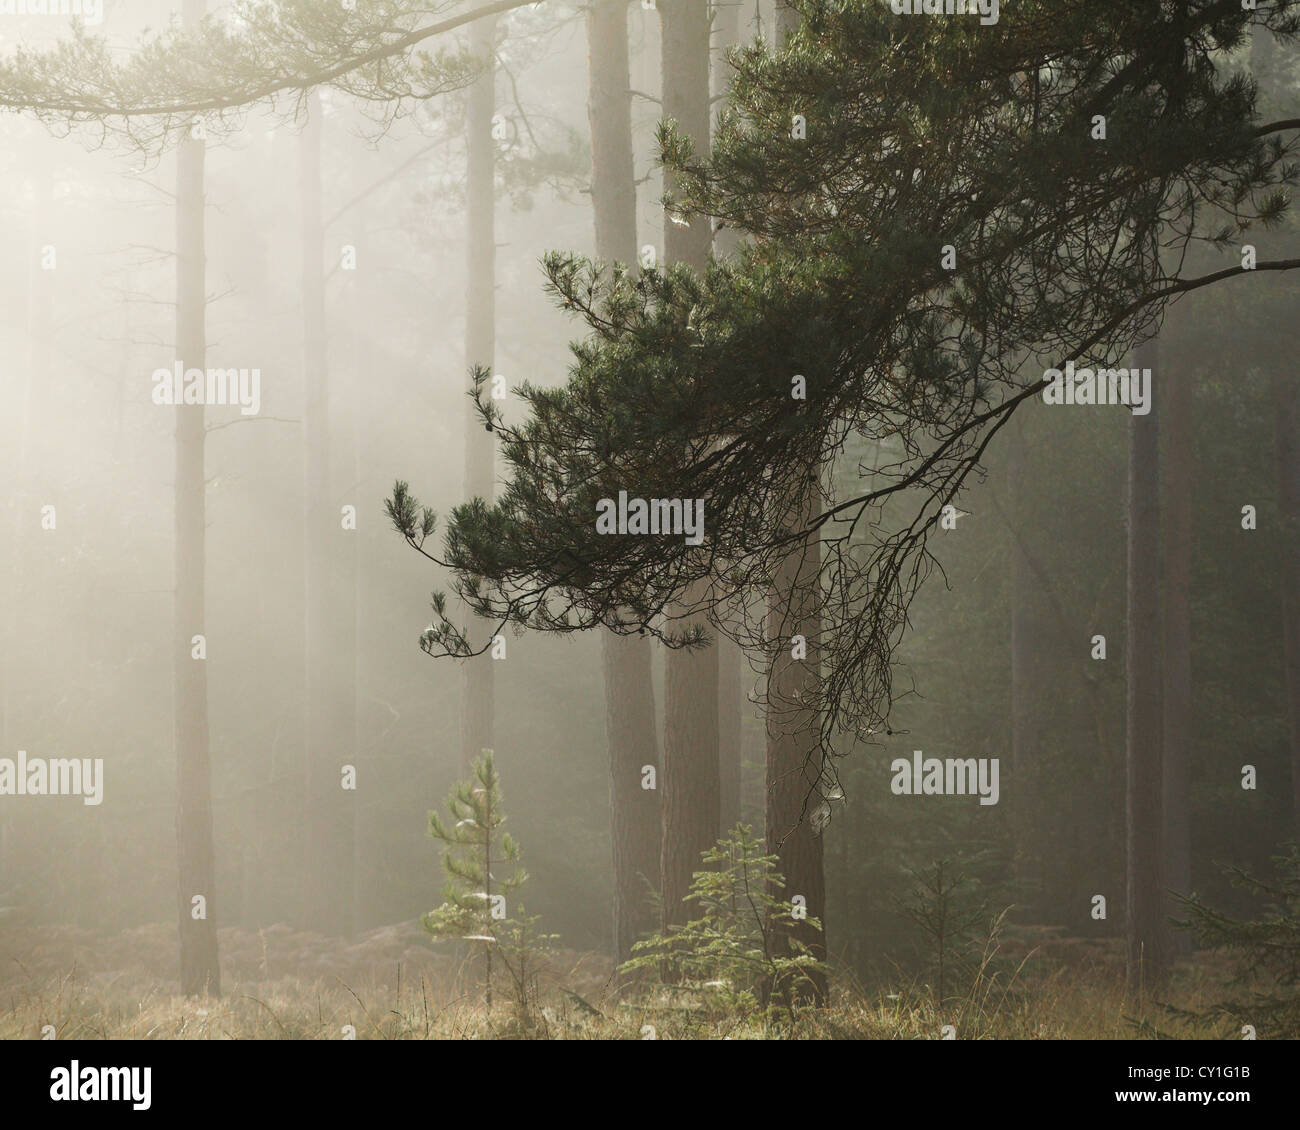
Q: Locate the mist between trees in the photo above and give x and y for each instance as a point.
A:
(718, 367)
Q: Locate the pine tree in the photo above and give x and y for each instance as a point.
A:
(741, 947)
(933, 211)
(946, 904)
(1268, 947)
(475, 908)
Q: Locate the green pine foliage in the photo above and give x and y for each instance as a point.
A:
(740, 953)
(921, 135)
(481, 862)
(948, 904)
(1267, 946)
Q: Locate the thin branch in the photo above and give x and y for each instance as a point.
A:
(1278, 126)
(300, 83)
(360, 196)
(251, 420)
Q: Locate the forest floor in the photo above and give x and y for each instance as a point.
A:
(390, 984)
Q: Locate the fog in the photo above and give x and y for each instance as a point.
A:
(346, 298)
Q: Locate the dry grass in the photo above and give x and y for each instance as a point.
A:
(390, 985)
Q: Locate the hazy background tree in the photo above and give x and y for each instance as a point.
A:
(1145, 902)
(480, 340)
(797, 809)
(630, 731)
(196, 874)
(692, 787)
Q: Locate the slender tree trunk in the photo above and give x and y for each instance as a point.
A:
(366, 779)
(487, 890)
(690, 781)
(1032, 626)
(317, 734)
(635, 812)
(787, 19)
(480, 343)
(731, 697)
(609, 113)
(1285, 391)
(196, 893)
(727, 31)
(685, 87)
(793, 758)
(691, 789)
(344, 557)
(1145, 930)
(1175, 424)
(35, 375)
(327, 628)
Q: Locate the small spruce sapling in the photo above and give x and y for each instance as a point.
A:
(737, 950)
(1267, 946)
(944, 903)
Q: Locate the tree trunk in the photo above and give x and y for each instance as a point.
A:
(692, 797)
(355, 582)
(196, 894)
(35, 376)
(635, 813)
(685, 86)
(1145, 930)
(344, 666)
(1032, 626)
(787, 19)
(727, 30)
(793, 757)
(328, 630)
(731, 698)
(690, 782)
(1285, 391)
(1177, 623)
(731, 659)
(480, 342)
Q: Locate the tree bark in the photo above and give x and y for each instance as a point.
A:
(1144, 901)
(730, 731)
(1030, 629)
(200, 972)
(477, 687)
(35, 378)
(787, 19)
(635, 812)
(793, 757)
(318, 735)
(328, 630)
(1285, 390)
(345, 668)
(731, 659)
(1175, 424)
(356, 587)
(690, 780)
(692, 795)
